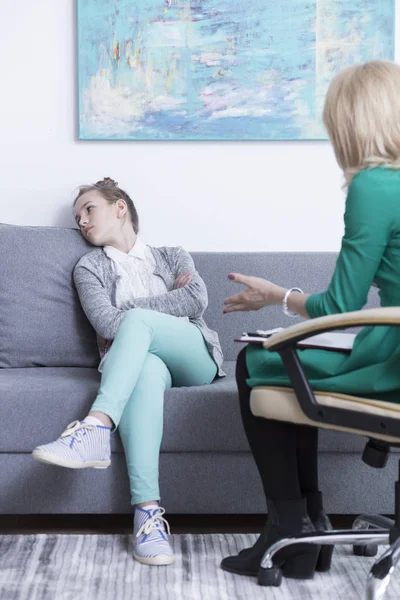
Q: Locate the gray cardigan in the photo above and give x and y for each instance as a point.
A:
(95, 282)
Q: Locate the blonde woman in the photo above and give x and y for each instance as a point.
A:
(362, 117)
(146, 305)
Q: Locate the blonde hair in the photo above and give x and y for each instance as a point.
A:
(362, 117)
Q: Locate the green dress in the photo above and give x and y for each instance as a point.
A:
(370, 253)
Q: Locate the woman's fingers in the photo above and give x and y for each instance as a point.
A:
(239, 278)
(234, 307)
(234, 299)
(253, 298)
(236, 302)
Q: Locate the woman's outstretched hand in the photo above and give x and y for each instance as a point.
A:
(182, 280)
(259, 293)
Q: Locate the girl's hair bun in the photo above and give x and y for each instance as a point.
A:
(107, 182)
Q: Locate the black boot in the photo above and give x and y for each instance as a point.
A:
(248, 560)
(321, 522)
(285, 519)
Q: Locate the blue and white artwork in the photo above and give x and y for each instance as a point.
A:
(219, 69)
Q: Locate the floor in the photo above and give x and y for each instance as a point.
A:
(51, 566)
(196, 573)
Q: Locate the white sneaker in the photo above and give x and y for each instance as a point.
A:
(150, 540)
(80, 446)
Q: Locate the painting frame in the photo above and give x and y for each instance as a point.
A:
(85, 136)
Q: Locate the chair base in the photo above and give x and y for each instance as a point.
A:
(368, 532)
(365, 522)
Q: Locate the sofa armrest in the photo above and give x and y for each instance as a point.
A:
(373, 316)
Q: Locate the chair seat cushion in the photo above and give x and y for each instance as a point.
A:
(281, 404)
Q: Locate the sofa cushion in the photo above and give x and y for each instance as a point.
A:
(196, 419)
(41, 319)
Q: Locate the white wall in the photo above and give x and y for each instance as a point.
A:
(226, 196)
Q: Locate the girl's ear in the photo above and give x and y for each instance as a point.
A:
(121, 208)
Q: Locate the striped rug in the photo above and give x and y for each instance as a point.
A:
(101, 567)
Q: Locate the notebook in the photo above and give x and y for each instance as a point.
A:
(336, 341)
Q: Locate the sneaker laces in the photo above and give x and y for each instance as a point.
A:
(154, 522)
(75, 430)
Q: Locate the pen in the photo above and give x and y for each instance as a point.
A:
(261, 335)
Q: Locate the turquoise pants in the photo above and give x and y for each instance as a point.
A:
(151, 352)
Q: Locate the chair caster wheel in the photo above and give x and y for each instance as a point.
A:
(270, 577)
(365, 549)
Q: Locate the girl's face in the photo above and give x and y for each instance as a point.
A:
(98, 220)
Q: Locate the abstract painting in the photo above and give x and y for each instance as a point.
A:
(219, 69)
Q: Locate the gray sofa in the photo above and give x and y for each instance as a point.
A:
(49, 377)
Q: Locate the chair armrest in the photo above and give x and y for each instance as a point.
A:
(389, 315)
(285, 344)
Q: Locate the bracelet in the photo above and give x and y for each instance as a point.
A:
(285, 309)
